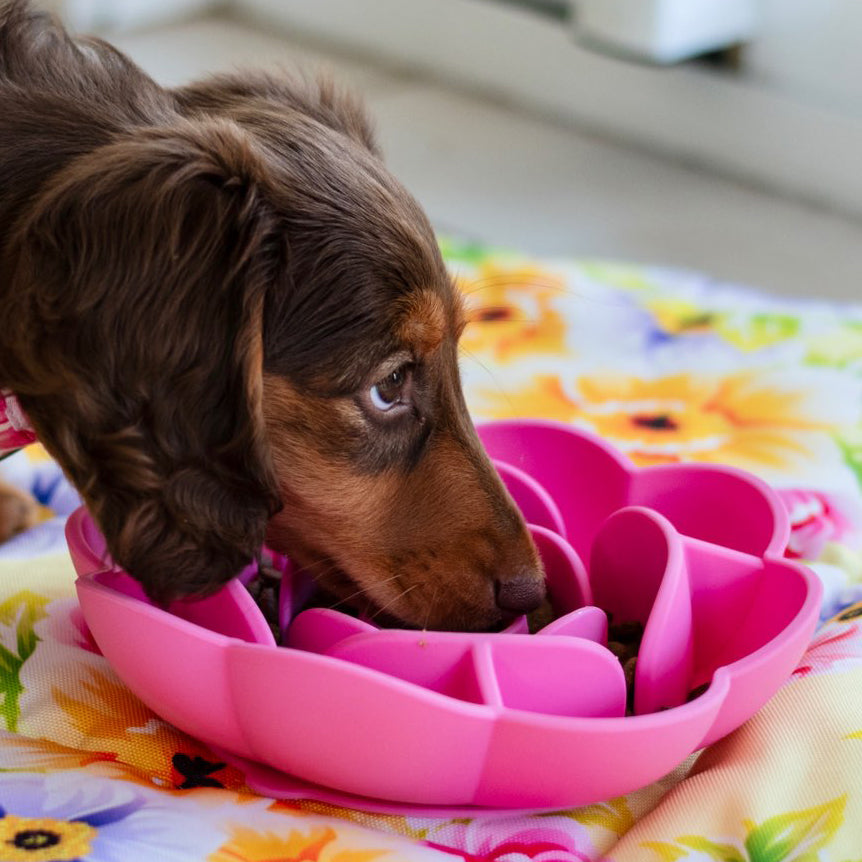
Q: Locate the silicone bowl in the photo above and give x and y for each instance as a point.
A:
(399, 720)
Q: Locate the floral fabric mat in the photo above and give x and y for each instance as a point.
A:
(670, 367)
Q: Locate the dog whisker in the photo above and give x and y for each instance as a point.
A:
(497, 385)
(492, 282)
(333, 300)
(317, 571)
(513, 319)
(513, 278)
(431, 606)
(472, 286)
(393, 601)
(362, 591)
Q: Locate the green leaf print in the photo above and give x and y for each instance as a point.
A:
(669, 852)
(757, 331)
(839, 347)
(614, 815)
(797, 836)
(474, 254)
(665, 851)
(18, 617)
(630, 278)
(462, 251)
(10, 687)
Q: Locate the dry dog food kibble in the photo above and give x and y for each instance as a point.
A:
(263, 588)
(695, 693)
(624, 641)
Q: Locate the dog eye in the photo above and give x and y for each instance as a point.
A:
(391, 391)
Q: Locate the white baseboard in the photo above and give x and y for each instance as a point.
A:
(727, 124)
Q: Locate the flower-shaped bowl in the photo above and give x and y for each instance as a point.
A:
(400, 720)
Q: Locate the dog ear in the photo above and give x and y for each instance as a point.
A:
(139, 284)
(319, 97)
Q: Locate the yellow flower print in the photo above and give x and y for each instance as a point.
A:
(102, 717)
(43, 839)
(108, 718)
(249, 845)
(393, 823)
(73, 702)
(747, 331)
(36, 453)
(510, 312)
(756, 422)
(31, 755)
(676, 316)
(111, 719)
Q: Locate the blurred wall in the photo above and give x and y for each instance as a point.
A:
(808, 50)
(108, 15)
(790, 120)
(811, 50)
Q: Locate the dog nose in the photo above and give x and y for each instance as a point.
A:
(519, 595)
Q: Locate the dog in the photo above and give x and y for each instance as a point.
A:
(232, 326)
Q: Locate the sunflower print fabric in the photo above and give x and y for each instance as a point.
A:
(668, 366)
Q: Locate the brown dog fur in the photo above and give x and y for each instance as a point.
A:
(18, 511)
(199, 291)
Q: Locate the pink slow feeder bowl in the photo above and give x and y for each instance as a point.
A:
(406, 721)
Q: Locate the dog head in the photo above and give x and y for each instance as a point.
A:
(230, 323)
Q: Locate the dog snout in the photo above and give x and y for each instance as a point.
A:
(520, 594)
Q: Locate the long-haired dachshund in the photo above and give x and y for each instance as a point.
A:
(230, 324)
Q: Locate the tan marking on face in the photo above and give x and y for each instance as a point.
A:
(323, 496)
(423, 325)
(425, 544)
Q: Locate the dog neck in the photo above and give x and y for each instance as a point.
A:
(15, 430)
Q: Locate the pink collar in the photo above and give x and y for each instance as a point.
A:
(15, 430)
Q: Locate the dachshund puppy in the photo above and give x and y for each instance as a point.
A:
(230, 324)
